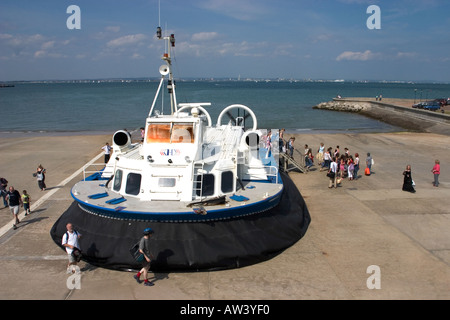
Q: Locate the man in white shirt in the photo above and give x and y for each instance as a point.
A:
(70, 242)
(333, 172)
(107, 149)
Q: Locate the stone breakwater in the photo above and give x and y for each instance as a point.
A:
(400, 116)
(347, 106)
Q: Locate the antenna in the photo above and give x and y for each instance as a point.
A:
(159, 12)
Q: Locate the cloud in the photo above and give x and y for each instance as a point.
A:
(132, 39)
(4, 36)
(48, 45)
(40, 54)
(358, 56)
(204, 36)
(45, 54)
(402, 55)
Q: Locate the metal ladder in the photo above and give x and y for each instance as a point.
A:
(197, 186)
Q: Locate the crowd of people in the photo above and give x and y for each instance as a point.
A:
(13, 200)
(344, 165)
(338, 165)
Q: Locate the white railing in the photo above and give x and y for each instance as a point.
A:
(87, 171)
(269, 174)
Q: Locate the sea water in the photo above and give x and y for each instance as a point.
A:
(107, 106)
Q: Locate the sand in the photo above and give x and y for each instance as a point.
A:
(362, 223)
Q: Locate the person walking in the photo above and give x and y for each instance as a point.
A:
(436, 172)
(268, 142)
(14, 198)
(40, 175)
(282, 147)
(332, 173)
(144, 248)
(326, 159)
(291, 146)
(71, 243)
(3, 190)
(26, 200)
(369, 162)
(320, 154)
(407, 180)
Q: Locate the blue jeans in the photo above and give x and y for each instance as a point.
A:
(355, 171)
(308, 162)
(436, 179)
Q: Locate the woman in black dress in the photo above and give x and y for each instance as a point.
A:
(407, 180)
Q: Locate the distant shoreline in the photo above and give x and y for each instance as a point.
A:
(212, 79)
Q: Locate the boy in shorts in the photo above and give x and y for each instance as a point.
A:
(26, 202)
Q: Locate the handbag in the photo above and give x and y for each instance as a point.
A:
(367, 171)
(330, 174)
(76, 254)
(137, 255)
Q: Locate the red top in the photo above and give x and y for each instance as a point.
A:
(436, 169)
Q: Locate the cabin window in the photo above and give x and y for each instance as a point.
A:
(207, 186)
(133, 184)
(182, 133)
(227, 181)
(174, 132)
(117, 180)
(166, 182)
(158, 133)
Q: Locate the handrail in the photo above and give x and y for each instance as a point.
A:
(90, 172)
(272, 174)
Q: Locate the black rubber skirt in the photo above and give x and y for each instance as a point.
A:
(191, 246)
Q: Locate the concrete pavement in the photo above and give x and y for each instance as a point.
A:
(362, 223)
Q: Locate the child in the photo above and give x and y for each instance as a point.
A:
(436, 171)
(26, 202)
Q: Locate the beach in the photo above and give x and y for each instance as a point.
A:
(362, 223)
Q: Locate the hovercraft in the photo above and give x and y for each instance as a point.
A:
(212, 192)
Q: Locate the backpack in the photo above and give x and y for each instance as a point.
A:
(137, 255)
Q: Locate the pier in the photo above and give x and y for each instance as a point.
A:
(397, 112)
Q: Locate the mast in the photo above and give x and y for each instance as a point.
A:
(166, 69)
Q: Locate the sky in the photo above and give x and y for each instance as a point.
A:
(404, 40)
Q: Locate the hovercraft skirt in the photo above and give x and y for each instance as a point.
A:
(193, 246)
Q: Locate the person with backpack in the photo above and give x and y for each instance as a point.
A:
(144, 248)
(72, 245)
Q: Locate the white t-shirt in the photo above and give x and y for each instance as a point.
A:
(73, 240)
(333, 167)
(107, 149)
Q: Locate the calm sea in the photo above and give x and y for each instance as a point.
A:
(93, 107)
